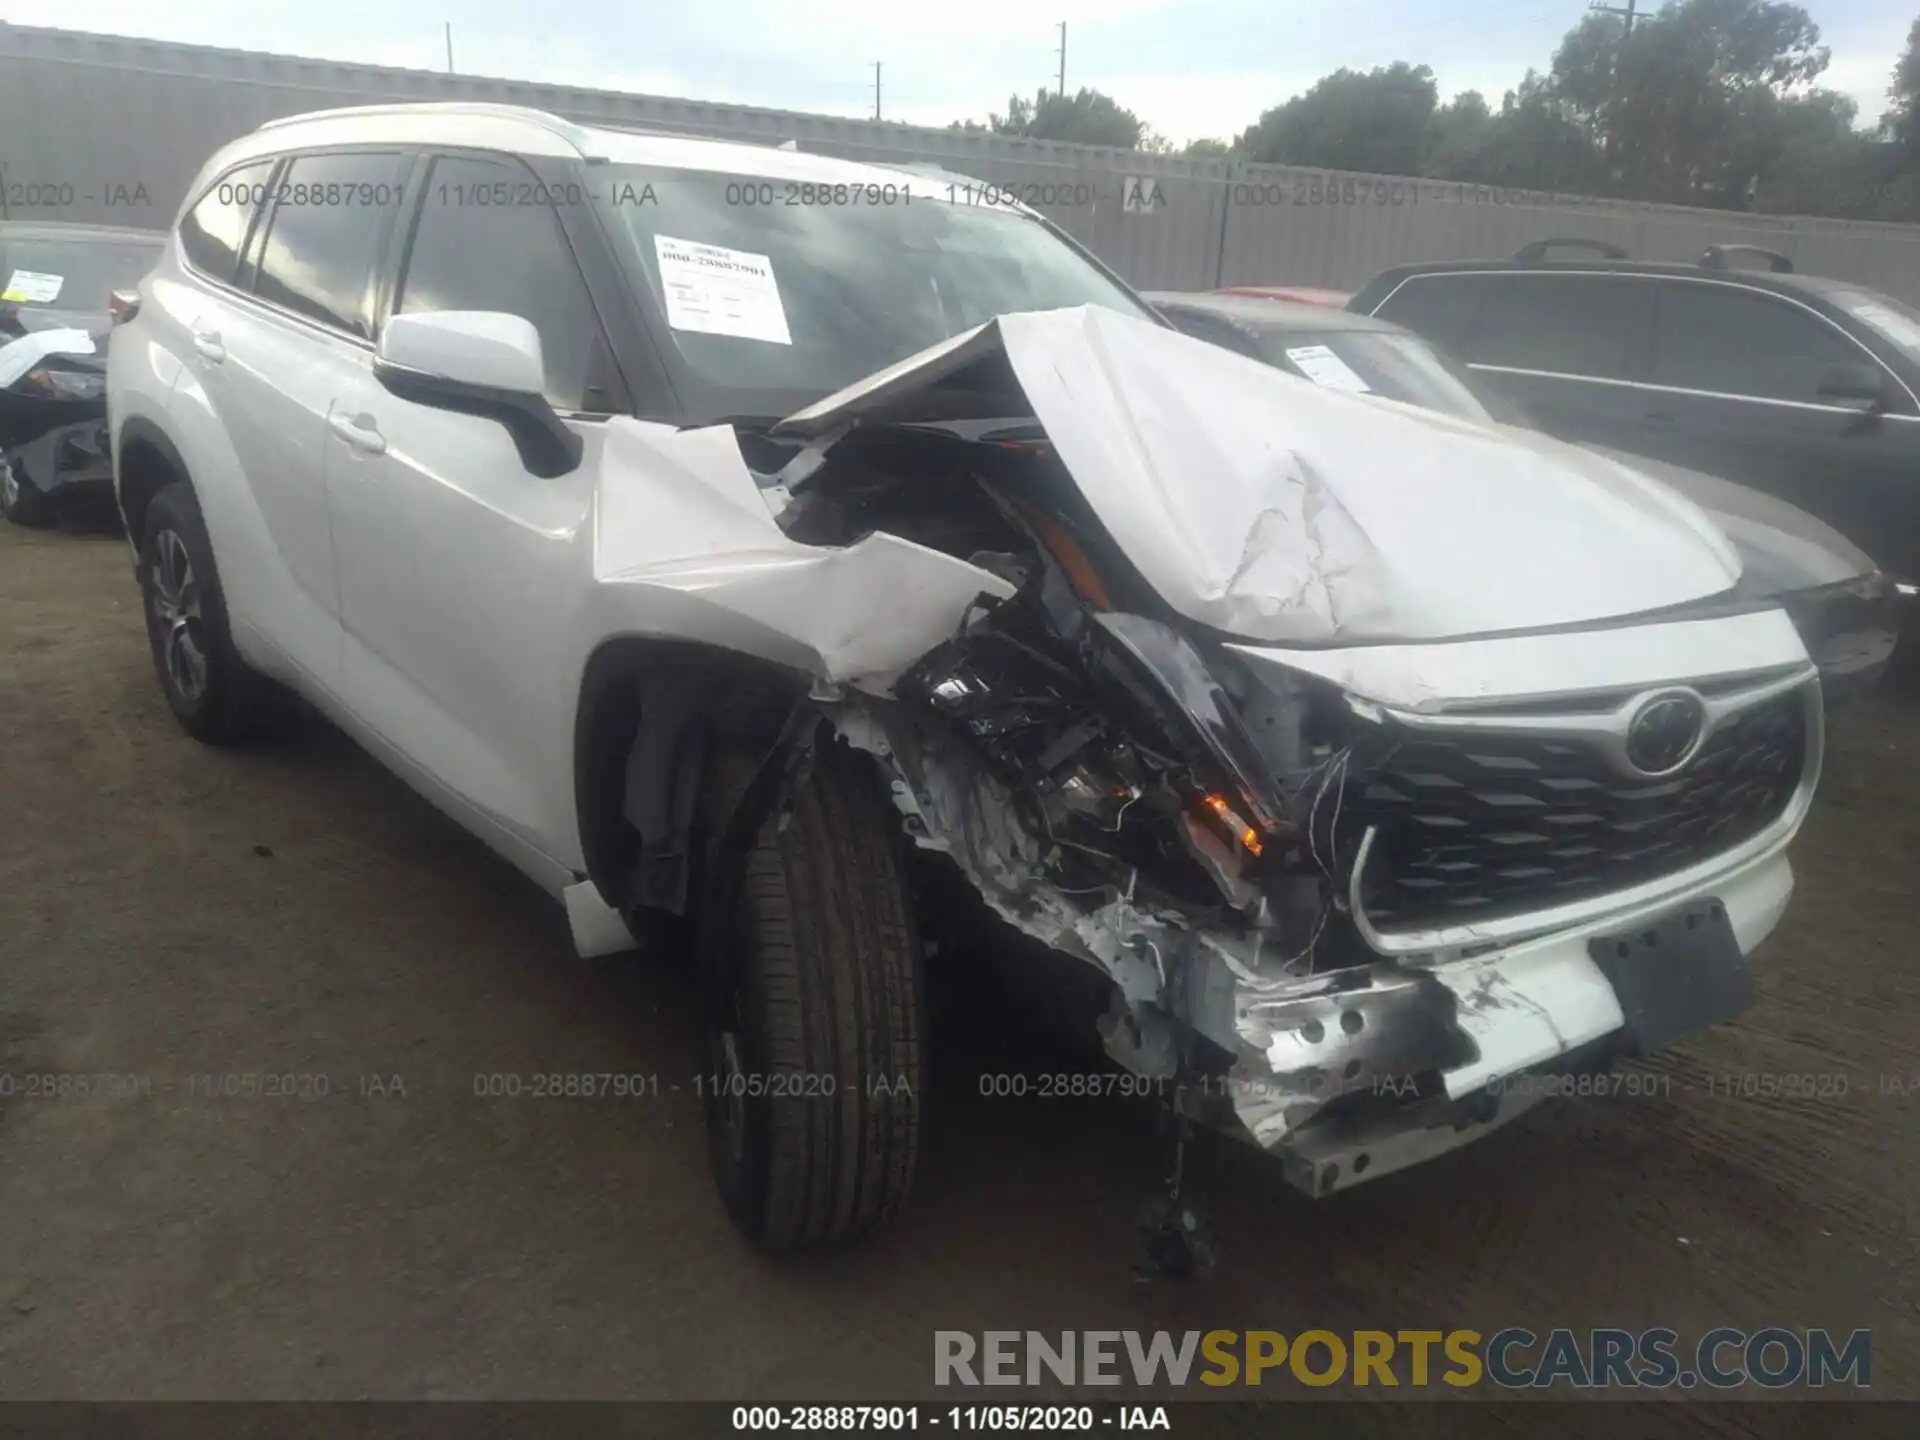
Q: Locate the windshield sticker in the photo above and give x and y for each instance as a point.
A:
(1895, 327)
(716, 291)
(31, 287)
(1323, 367)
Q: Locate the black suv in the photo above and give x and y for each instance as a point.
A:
(1735, 365)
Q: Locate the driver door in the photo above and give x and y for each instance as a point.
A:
(456, 564)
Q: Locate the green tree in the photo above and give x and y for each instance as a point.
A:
(1539, 142)
(1901, 124)
(1376, 122)
(1085, 118)
(1686, 107)
(1808, 159)
(1460, 138)
(1209, 149)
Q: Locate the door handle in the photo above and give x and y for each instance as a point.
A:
(359, 431)
(1662, 417)
(207, 342)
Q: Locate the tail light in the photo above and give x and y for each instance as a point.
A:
(123, 305)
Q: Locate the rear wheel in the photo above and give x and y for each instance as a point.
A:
(216, 696)
(815, 1078)
(20, 500)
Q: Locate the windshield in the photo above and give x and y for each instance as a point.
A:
(37, 273)
(1377, 362)
(772, 305)
(1899, 324)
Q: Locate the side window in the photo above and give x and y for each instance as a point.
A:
(1567, 324)
(479, 246)
(215, 229)
(1743, 342)
(1438, 307)
(329, 217)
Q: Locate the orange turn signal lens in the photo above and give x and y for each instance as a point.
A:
(1248, 837)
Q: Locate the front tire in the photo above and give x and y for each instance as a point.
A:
(214, 694)
(815, 1080)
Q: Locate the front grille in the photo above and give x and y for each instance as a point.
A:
(1476, 827)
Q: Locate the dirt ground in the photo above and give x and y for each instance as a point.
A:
(172, 912)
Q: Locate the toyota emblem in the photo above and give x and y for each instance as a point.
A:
(1664, 732)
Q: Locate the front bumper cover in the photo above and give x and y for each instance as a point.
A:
(1376, 1038)
(66, 458)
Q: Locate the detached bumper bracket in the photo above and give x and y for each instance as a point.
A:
(1676, 975)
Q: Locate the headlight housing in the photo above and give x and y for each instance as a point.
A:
(57, 384)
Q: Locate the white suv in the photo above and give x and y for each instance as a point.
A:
(714, 529)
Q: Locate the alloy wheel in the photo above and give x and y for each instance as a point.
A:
(176, 609)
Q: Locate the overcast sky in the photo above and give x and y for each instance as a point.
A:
(1187, 67)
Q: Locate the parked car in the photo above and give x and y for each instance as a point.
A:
(55, 283)
(1806, 388)
(1843, 605)
(701, 554)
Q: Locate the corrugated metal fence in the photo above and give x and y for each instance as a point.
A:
(100, 129)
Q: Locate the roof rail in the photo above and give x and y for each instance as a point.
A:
(1721, 257)
(566, 129)
(1527, 254)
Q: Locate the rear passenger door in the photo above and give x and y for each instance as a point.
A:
(1734, 389)
(298, 332)
(1566, 347)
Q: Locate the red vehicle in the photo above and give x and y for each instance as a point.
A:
(1298, 294)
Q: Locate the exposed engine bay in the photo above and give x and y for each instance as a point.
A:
(1120, 786)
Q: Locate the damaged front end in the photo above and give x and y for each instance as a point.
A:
(1348, 858)
(1178, 820)
(1105, 796)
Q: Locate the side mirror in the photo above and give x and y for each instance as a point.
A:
(1855, 382)
(479, 362)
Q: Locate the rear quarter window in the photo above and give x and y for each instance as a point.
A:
(214, 230)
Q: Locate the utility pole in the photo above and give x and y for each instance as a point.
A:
(1629, 12)
(449, 28)
(1062, 91)
(876, 89)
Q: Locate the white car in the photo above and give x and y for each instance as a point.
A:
(707, 526)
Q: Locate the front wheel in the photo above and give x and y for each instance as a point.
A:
(815, 1078)
(216, 696)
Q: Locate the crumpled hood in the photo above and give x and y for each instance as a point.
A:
(1277, 510)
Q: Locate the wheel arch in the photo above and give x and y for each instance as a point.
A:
(648, 715)
(145, 462)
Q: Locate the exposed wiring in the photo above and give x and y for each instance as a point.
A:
(1335, 768)
(1339, 803)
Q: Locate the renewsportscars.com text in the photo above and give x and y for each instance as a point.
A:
(1513, 1358)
